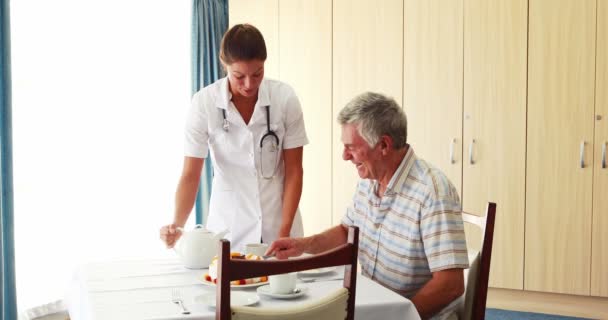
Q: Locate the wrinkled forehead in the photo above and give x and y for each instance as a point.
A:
(350, 135)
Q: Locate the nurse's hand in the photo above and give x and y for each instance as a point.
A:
(284, 248)
(169, 235)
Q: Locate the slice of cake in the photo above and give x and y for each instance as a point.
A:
(212, 275)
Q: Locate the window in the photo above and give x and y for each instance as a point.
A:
(100, 94)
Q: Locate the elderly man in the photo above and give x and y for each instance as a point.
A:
(412, 237)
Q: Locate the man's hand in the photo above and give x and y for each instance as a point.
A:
(284, 248)
(169, 234)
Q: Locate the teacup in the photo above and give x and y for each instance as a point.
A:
(283, 283)
(259, 249)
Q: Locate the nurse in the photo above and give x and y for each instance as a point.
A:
(253, 129)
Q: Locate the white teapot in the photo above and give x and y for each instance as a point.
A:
(198, 246)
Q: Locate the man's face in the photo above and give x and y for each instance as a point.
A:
(245, 77)
(365, 158)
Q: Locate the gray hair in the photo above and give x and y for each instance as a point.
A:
(375, 115)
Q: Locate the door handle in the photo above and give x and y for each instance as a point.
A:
(604, 155)
(582, 155)
(452, 160)
(471, 161)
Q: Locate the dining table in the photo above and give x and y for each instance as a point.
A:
(145, 288)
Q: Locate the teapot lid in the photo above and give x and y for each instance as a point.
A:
(199, 228)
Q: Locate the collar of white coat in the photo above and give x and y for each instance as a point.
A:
(225, 94)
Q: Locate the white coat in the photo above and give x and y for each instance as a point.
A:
(242, 201)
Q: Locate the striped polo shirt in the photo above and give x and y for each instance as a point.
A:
(412, 231)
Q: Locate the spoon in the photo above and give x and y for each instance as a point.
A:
(307, 280)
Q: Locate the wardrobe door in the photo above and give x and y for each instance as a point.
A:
(432, 87)
(305, 57)
(264, 15)
(367, 56)
(495, 56)
(561, 81)
(599, 256)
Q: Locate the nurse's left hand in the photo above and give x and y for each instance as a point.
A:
(169, 234)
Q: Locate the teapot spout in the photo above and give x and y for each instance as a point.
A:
(220, 235)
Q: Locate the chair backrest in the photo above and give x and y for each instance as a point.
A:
(236, 269)
(476, 293)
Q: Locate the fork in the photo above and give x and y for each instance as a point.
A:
(176, 297)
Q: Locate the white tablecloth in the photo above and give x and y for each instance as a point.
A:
(141, 289)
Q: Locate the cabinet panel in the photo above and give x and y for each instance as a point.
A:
(432, 88)
(561, 79)
(305, 56)
(263, 14)
(495, 56)
(367, 56)
(599, 256)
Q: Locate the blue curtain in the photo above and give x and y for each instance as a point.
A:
(209, 22)
(8, 299)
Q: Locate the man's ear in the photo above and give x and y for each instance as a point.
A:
(386, 143)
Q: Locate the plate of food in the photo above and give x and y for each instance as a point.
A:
(210, 278)
(243, 283)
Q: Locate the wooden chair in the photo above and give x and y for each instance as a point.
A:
(474, 305)
(342, 301)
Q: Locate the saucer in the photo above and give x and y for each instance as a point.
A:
(316, 272)
(298, 292)
(237, 298)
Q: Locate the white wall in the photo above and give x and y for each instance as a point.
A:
(100, 91)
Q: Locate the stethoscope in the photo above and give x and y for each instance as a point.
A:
(270, 134)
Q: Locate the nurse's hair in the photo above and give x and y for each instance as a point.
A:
(376, 115)
(243, 42)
